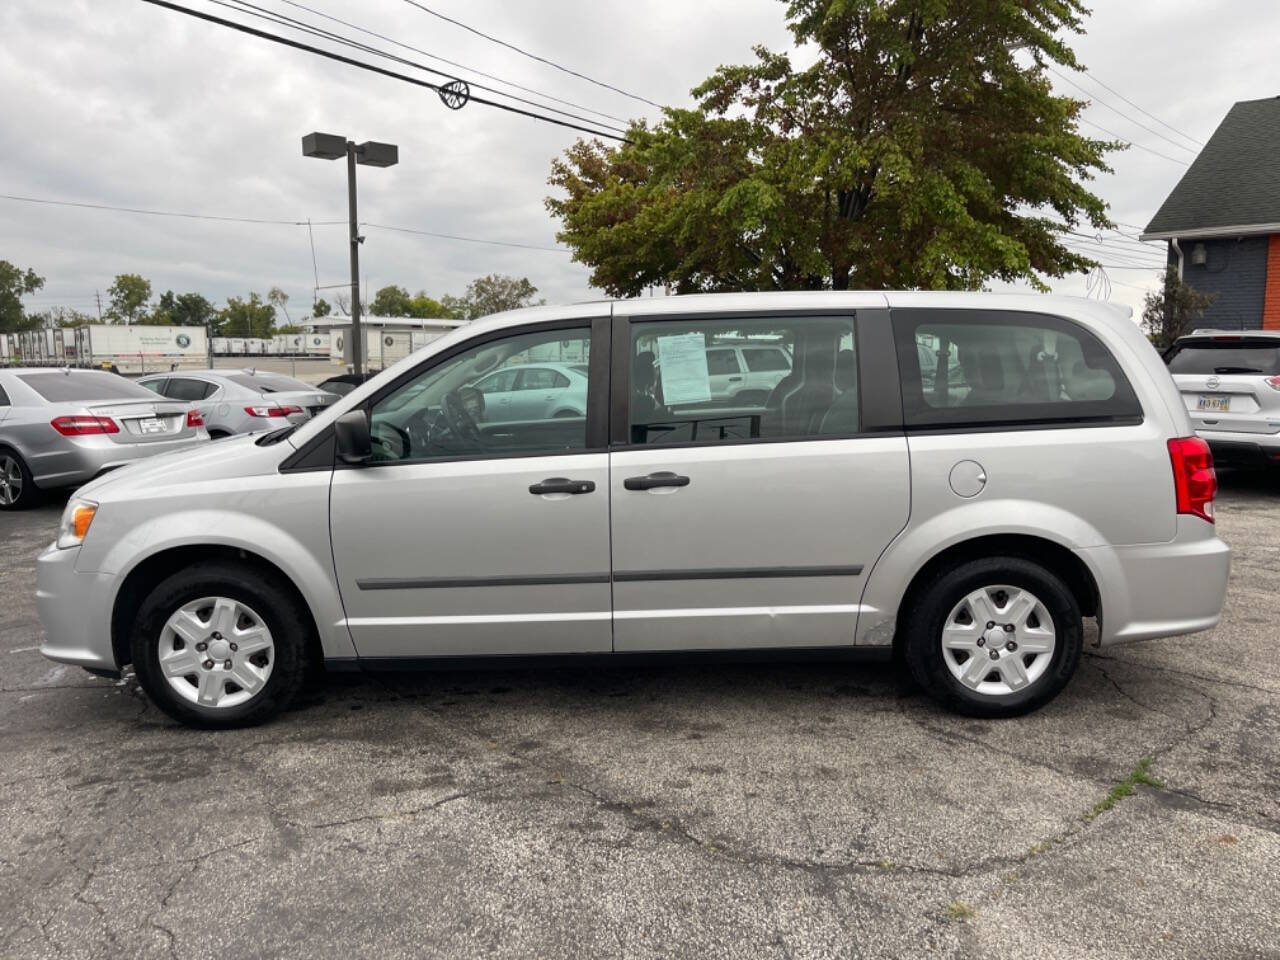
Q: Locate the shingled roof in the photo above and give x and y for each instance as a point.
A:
(1233, 187)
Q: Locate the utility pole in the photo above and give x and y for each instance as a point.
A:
(98, 296)
(357, 336)
(328, 146)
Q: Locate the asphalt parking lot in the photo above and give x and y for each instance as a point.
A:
(732, 811)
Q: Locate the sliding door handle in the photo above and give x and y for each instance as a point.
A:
(662, 478)
(562, 485)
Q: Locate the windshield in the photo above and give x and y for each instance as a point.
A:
(1225, 356)
(269, 382)
(83, 385)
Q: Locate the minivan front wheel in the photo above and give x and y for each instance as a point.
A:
(217, 645)
(996, 637)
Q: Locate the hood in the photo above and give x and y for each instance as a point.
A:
(237, 456)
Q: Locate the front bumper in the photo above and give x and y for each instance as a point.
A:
(75, 609)
(1161, 589)
(83, 458)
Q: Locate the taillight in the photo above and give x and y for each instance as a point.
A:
(1194, 479)
(1273, 383)
(194, 419)
(271, 411)
(83, 426)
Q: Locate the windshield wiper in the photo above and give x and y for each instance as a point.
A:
(275, 436)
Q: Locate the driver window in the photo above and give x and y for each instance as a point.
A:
(465, 407)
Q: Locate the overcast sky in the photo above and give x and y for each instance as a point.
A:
(122, 103)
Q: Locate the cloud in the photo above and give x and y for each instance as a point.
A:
(120, 102)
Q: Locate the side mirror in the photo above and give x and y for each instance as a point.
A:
(351, 435)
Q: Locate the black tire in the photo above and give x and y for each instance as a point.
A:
(923, 624)
(277, 606)
(28, 494)
(218, 434)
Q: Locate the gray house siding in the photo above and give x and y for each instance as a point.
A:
(1236, 272)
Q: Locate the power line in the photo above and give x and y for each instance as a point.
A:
(330, 55)
(160, 213)
(291, 23)
(1139, 109)
(1109, 133)
(532, 56)
(1120, 113)
(450, 236)
(454, 63)
(292, 223)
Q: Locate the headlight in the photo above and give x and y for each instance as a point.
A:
(76, 520)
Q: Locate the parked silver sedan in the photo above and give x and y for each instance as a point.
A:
(61, 428)
(242, 401)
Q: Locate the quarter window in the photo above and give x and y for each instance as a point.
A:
(678, 394)
(442, 412)
(974, 368)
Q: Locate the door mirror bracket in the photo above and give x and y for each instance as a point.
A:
(351, 437)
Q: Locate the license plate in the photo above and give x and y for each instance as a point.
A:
(151, 425)
(1217, 404)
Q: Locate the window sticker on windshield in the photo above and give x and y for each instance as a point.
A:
(682, 365)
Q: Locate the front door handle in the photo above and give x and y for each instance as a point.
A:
(663, 478)
(735, 379)
(562, 485)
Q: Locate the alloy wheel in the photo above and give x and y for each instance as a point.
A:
(216, 652)
(998, 640)
(10, 480)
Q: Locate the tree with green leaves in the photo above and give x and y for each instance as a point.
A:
(390, 301)
(181, 310)
(923, 148)
(395, 301)
(245, 318)
(1173, 310)
(128, 297)
(491, 294)
(16, 283)
(321, 308)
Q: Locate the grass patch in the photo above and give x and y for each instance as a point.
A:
(1125, 788)
(961, 911)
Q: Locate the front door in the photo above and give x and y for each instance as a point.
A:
(477, 535)
(750, 525)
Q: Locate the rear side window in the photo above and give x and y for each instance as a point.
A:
(1228, 355)
(759, 361)
(4, 398)
(721, 362)
(79, 386)
(540, 378)
(998, 368)
(181, 388)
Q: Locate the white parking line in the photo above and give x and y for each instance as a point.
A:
(25, 649)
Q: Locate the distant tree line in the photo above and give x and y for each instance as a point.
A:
(129, 300)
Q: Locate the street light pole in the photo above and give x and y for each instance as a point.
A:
(357, 337)
(328, 146)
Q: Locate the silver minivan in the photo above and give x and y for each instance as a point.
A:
(960, 479)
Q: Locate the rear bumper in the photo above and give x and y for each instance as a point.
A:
(1161, 589)
(75, 609)
(83, 458)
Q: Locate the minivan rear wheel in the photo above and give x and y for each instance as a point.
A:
(996, 637)
(217, 645)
